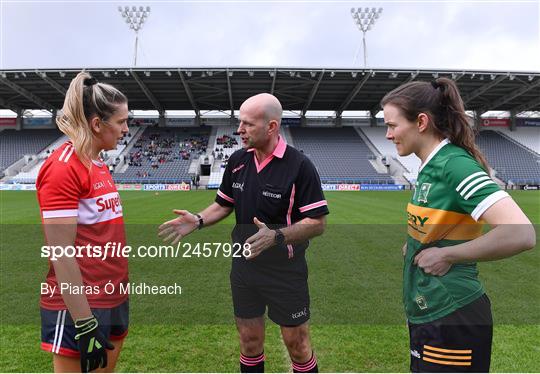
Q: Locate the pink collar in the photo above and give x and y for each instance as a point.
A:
(278, 152)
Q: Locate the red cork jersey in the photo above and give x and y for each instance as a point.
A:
(67, 188)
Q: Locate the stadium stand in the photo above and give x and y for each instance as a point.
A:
(337, 90)
(215, 177)
(286, 133)
(163, 155)
(110, 157)
(377, 136)
(513, 163)
(16, 144)
(339, 154)
(29, 173)
(226, 143)
(513, 154)
(526, 136)
(29, 176)
(342, 155)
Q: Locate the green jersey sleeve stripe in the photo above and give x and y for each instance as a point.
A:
(464, 181)
(475, 181)
(477, 188)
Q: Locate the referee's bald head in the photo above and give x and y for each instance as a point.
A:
(265, 105)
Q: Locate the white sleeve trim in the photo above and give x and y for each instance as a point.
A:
(60, 213)
(483, 184)
(464, 181)
(486, 203)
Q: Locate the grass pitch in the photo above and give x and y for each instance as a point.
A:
(355, 284)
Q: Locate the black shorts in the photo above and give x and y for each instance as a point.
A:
(281, 286)
(58, 331)
(458, 342)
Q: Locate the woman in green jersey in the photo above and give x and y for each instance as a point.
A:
(449, 314)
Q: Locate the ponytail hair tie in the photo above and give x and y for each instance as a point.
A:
(89, 82)
(437, 85)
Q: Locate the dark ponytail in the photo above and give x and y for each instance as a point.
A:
(442, 103)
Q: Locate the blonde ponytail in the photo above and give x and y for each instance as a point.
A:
(73, 122)
(85, 98)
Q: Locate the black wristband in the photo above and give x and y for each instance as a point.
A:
(201, 221)
(279, 238)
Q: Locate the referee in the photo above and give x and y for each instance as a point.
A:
(276, 195)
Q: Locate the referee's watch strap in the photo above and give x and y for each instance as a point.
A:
(201, 221)
(279, 238)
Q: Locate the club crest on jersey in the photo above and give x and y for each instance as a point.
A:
(423, 192)
(421, 301)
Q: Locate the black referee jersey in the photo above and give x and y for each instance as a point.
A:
(282, 190)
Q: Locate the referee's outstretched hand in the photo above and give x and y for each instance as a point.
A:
(177, 228)
(262, 240)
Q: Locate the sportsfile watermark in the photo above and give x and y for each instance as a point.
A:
(118, 250)
(355, 274)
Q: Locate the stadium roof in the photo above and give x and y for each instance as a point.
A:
(299, 89)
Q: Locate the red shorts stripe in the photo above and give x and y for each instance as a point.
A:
(62, 351)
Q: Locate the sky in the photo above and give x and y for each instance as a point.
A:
(474, 35)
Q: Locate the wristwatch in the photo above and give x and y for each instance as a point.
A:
(279, 238)
(201, 221)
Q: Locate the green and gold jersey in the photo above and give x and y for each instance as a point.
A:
(452, 192)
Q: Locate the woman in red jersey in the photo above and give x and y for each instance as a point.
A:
(83, 310)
